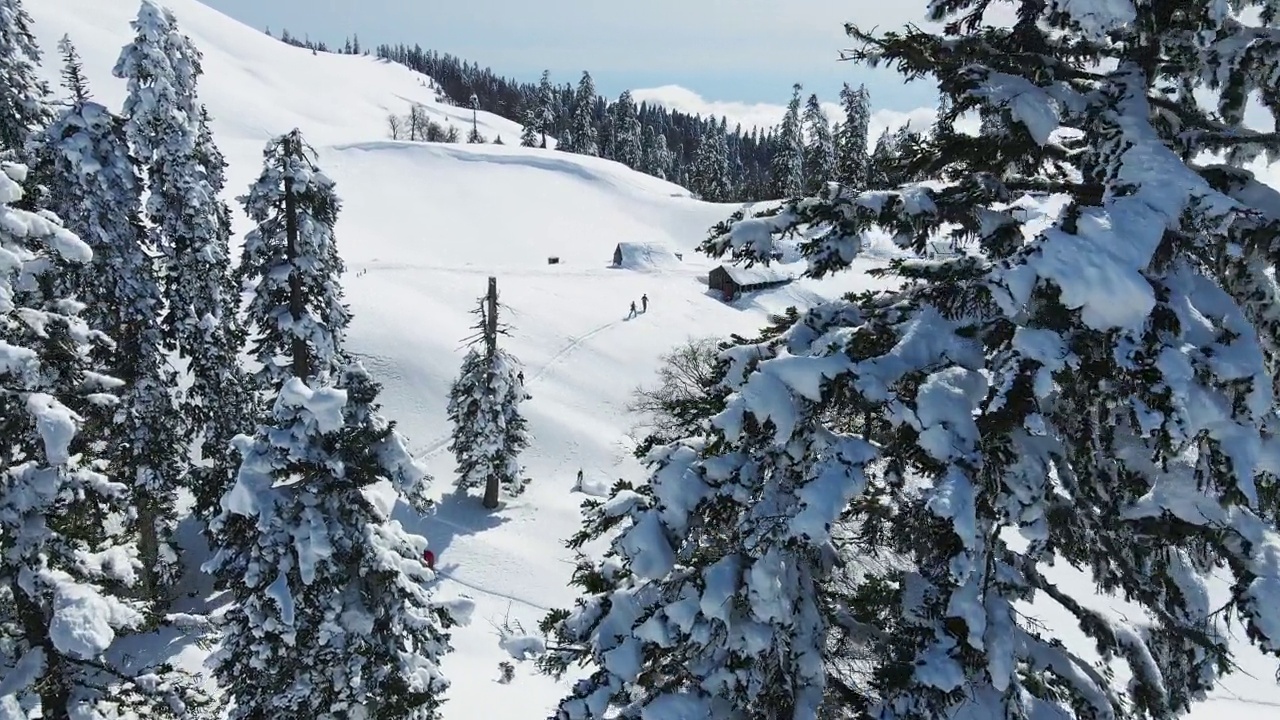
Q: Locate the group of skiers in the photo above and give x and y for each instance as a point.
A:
(644, 305)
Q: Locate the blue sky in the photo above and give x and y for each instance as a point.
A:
(748, 51)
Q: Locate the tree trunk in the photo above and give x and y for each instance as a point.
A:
(55, 695)
(491, 346)
(301, 367)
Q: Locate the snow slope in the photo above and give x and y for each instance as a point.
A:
(421, 228)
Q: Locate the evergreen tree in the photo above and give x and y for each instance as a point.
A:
(819, 151)
(787, 176)
(67, 562)
(299, 317)
(529, 132)
(625, 138)
(851, 140)
(332, 614)
(903, 467)
(484, 407)
(24, 104)
(474, 137)
(709, 176)
(97, 188)
(656, 160)
(219, 365)
(582, 134)
(546, 115)
(167, 129)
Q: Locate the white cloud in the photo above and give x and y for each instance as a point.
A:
(767, 115)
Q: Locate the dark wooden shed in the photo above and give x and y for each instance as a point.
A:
(732, 280)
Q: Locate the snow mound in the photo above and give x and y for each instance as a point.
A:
(644, 256)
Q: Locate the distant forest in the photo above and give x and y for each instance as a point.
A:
(717, 162)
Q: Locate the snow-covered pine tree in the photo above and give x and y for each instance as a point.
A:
(819, 148)
(787, 170)
(529, 133)
(298, 317)
(66, 556)
(709, 176)
(474, 137)
(484, 406)
(219, 365)
(546, 107)
(24, 97)
(95, 185)
(1100, 395)
(657, 157)
(582, 122)
(166, 129)
(852, 147)
(332, 615)
(625, 138)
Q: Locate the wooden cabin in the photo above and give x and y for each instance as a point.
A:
(731, 280)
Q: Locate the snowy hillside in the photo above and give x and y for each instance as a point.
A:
(422, 225)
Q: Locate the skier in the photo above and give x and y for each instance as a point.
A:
(579, 485)
(644, 303)
(429, 558)
(633, 310)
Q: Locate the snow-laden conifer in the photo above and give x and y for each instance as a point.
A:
(169, 132)
(67, 559)
(851, 140)
(545, 120)
(298, 317)
(219, 365)
(787, 168)
(529, 132)
(489, 430)
(583, 137)
(819, 146)
(24, 97)
(626, 131)
(332, 614)
(913, 468)
(656, 160)
(95, 185)
(709, 177)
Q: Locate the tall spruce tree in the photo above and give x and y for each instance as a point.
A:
(787, 171)
(905, 467)
(219, 365)
(625, 137)
(851, 140)
(582, 131)
(529, 131)
(166, 127)
(68, 563)
(24, 97)
(332, 613)
(96, 187)
(819, 148)
(656, 159)
(299, 318)
(484, 406)
(709, 176)
(546, 107)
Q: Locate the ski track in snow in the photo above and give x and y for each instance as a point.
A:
(492, 593)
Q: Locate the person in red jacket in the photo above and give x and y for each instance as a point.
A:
(429, 558)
